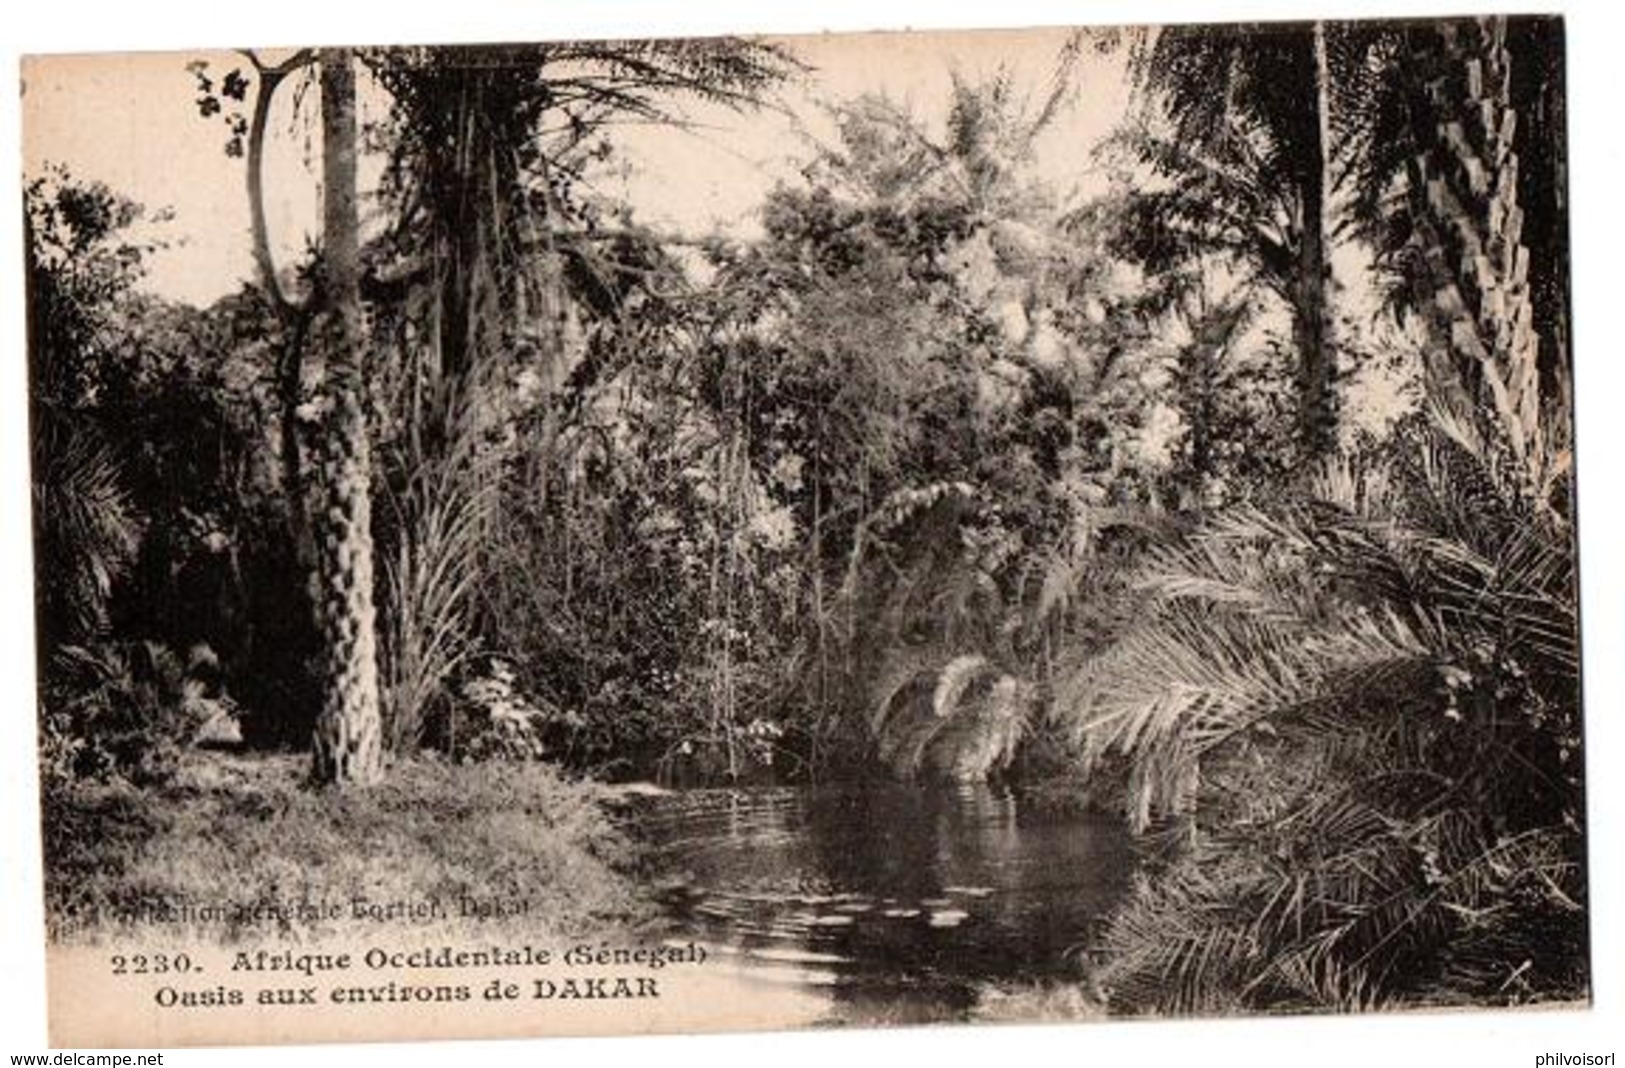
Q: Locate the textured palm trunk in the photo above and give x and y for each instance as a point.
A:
(1210, 341)
(1317, 396)
(1471, 262)
(348, 739)
(1202, 371)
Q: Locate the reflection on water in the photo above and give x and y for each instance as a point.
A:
(891, 902)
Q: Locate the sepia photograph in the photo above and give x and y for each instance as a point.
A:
(753, 531)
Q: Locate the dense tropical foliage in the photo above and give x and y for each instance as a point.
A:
(1240, 490)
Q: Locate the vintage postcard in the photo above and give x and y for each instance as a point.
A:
(669, 535)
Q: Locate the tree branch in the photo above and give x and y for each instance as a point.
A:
(270, 76)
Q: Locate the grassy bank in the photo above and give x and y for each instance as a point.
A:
(245, 831)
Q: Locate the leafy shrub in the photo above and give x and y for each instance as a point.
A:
(496, 720)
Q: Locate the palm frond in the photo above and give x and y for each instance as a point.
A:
(89, 528)
(440, 519)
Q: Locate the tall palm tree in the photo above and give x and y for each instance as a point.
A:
(489, 256)
(490, 147)
(1238, 136)
(1453, 156)
(348, 738)
(1364, 709)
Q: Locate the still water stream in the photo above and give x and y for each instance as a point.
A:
(882, 902)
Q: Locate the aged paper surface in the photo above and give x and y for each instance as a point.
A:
(784, 905)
